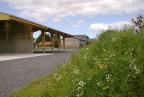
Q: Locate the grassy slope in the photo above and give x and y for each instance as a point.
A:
(113, 66)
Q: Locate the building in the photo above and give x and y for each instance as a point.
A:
(47, 44)
(76, 41)
(16, 34)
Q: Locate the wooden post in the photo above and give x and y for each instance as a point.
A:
(7, 29)
(43, 40)
(59, 42)
(52, 41)
(30, 32)
(64, 43)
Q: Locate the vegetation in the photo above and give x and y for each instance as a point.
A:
(47, 38)
(39, 39)
(113, 66)
(138, 23)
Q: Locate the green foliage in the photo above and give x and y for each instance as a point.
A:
(47, 38)
(113, 66)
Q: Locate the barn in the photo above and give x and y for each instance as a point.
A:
(16, 34)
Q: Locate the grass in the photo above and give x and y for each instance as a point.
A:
(113, 66)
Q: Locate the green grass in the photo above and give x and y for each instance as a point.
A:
(113, 66)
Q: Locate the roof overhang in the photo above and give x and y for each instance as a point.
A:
(8, 17)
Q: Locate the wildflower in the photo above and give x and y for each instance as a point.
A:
(101, 66)
(113, 55)
(81, 83)
(86, 49)
(99, 83)
(114, 39)
(134, 68)
(106, 59)
(108, 77)
(76, 71)
(59, 78)
(79, 89)
(85, 56)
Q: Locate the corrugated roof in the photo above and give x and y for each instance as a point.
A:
(81, 37)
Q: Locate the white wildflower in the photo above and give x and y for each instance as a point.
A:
(114, 39)
(101, 66)
(76, 71)
(59, 78)
(134, 67)
(108, 77)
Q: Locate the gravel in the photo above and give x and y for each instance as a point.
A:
(14, 74)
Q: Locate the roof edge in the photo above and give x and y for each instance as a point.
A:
(4, 16)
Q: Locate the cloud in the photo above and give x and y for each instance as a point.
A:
(102, 27)
(77, 23)
(98, 26)
(59, 9)
(119, 25)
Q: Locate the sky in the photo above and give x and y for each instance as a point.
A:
(75, 17)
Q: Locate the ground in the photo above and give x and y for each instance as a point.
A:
(14, 74)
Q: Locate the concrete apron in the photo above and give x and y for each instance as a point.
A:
(4, 57)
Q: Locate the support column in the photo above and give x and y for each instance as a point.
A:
(7, 29)
(64, 43)
(30, 31)
(59, 42)
(43, 40)
(52, 41)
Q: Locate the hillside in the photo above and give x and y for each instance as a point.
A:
(113, 66)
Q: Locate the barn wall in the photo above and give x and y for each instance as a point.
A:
(15, 38)
(71, 43)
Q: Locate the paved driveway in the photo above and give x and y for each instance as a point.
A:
(16, 73)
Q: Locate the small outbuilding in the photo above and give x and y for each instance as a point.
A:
(76, 41)
(47, 44)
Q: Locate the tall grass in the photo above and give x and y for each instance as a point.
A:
(113, 66)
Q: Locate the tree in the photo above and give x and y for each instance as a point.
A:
(47, 38)
(138, 23)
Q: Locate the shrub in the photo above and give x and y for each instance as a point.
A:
(113, 66)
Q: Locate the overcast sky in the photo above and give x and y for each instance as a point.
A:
(75, 16)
